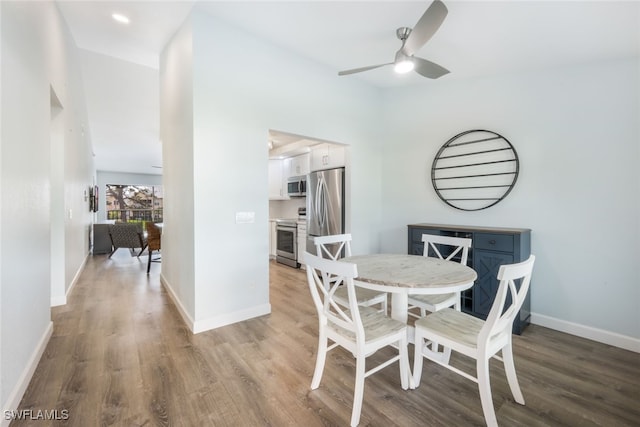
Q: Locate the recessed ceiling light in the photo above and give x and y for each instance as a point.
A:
(120, 18)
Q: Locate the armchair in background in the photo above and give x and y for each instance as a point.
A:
(154, 242)
(127, 235)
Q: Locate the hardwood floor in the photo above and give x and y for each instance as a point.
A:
(121, 355)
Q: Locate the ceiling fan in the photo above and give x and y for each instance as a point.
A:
(412, 41)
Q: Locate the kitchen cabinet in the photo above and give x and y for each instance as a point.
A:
(327, 156)
(491, 248)
(302, 242)
(277, 180)
(299, 165)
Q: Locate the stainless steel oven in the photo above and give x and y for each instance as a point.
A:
(287, 242)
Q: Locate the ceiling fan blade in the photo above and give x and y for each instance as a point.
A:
(428, 69)
(426, 27)
(359, 70)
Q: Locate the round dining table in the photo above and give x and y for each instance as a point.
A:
(401, 275)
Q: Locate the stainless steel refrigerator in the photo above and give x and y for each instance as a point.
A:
(325, 205)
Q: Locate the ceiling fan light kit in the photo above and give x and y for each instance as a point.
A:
(403, 65)
(412, 41)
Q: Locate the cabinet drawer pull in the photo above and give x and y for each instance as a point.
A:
(492, 241)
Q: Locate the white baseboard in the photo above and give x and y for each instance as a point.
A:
(595, 334)
(56, 301)
(229, 318)
(216, 321)
(76, 278)
(176, 301)
(62, 300)
(13, 401)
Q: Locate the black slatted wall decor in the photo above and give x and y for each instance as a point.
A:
(475, 170)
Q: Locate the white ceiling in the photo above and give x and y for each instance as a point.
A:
(478, 38)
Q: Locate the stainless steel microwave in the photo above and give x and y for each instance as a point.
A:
(297, 186)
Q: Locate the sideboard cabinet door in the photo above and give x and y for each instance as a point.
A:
(486, 264)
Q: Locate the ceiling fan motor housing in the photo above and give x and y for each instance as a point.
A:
(402, 33)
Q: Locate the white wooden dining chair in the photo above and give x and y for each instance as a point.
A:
(360, 330)
(479, 339)
(332, 247)
(433, 303)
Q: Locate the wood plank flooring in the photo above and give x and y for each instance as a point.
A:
(120, 355)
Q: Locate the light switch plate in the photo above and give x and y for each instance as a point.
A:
(245, 217)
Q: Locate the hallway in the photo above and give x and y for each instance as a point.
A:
(120, 354)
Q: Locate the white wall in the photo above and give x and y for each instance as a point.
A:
(37, 54)
(57, 203)
(576, 131)
(2, 381)
(119, 178)
(176, 133)
(233, 109)
(79, 170)
(123, 99)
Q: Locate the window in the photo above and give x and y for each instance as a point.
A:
(134, 203)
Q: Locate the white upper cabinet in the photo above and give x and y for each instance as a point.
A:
(300, 165)
(277, 180)
(327, 156)
(286, 167)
